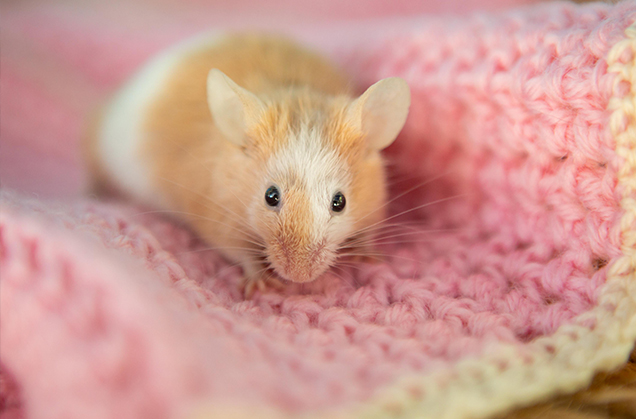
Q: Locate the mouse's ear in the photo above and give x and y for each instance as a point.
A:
(233, 108)
(381, 111)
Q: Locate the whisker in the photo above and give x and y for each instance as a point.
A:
(177, 212)
(411, 210)
(379, 256)
(396, 179)
(226, 268)
(375, 239)
(338, 267)
(349, 278)
(332, 271)
(341, 264)
(426, 182)
(405, 242)
(259, 243)
(209, 170)
(344, 262)
(382, 226)
(410, 224)
(238, 218)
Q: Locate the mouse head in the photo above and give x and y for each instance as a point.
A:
(318, 177)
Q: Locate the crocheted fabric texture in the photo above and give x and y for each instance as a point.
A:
(509, 277)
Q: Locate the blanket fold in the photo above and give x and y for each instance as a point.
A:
(507, 277)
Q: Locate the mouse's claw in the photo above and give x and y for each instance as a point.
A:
(264, 283)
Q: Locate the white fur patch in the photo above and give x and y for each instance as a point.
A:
(122, 135)
(323, 174)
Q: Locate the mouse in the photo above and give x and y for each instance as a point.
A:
(257, 143)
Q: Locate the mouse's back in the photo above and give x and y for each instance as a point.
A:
(164, 109)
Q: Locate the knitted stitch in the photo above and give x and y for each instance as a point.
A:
(518, 285)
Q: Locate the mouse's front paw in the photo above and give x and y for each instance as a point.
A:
(267, 282)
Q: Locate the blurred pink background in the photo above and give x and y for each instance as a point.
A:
(60, 60)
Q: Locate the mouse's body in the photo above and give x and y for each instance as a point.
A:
(276, 173)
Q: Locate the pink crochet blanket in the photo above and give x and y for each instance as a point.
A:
(509, 262)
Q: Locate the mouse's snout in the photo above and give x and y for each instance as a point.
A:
(296, 262)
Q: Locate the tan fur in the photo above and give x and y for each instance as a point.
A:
(215, 183)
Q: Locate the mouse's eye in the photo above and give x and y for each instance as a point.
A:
(338, 202)
(272, 196)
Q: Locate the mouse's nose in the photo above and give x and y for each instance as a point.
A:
(301, 265)
(300, 275)
(300, 268)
